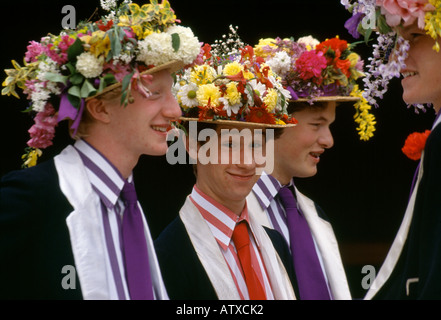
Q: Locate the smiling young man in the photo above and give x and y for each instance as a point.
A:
(275, 201)
(297, 153)
(215, 249)
(411, 268)
(73, 222)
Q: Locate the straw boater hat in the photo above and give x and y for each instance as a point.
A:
(232, 88)
(62, 72)
(314, 71)
(383, 18)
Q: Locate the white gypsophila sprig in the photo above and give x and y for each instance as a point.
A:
(108, 5)
(229, 45)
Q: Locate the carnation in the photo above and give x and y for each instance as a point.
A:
(88, 65)
(189, 44)
(156, 49)
(310, 64)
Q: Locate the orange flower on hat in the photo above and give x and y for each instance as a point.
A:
(414, 144)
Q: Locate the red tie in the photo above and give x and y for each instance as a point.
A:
(241, 241)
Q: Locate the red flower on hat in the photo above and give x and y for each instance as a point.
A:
(414, 144)
(260, 115)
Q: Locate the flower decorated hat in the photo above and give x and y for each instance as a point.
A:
(61, 72)
(233, 86)
(314, 71)
(382, 17)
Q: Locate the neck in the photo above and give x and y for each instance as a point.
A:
(235, 206)
(282, 178)
(122, 159)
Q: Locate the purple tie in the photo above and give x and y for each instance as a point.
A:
(135, 247)
(310, 278)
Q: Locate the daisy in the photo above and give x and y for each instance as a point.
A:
(187, 95)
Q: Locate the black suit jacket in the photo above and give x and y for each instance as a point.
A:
(34, 238)
(421, 255)
(184, 276)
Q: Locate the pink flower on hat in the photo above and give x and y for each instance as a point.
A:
(407, 10)
(310, 65)
(43, 131)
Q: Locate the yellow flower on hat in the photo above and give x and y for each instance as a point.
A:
(202, 74)
(270, 99)
(233, 95)
(208, 94)
(232, 68)
(258, 48)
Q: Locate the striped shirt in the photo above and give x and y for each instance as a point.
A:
(108, 182)
(222, 222)
(266, 190)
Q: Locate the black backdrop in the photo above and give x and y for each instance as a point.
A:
(362, 186)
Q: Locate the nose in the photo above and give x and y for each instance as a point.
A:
(246, 161)
(326, 140)
(171, 109)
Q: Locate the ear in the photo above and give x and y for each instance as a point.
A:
(99, 110)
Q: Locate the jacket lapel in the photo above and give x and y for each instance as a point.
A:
(397, 246)
(87, 244)
(208, 252)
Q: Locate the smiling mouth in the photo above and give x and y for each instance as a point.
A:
(409, 74)
(315, 155)
(242, 176)
(160, 128)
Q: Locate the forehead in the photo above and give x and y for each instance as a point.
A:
(326, 110)
(162, 77)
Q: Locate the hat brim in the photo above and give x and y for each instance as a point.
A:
(241, 123)
(172, 66)
(328, 99)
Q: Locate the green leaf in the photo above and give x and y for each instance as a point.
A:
(75, 101)
(126, 81)
(367, 35)
(87, 89)
(71, 68)
(74, 91)
(176, 41)
(76, 78)
(115, 42)
(75, 50)
(54, 77)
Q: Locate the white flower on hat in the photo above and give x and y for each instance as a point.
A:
(258, 88)
(89, 65)
(309, 41)
(189, 47)
(156, 49)
(187, 96)
(280, 63)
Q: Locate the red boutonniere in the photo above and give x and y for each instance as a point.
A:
(414, 144)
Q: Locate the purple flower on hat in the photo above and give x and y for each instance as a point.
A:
(352, 24)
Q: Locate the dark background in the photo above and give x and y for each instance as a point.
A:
(362, 186)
